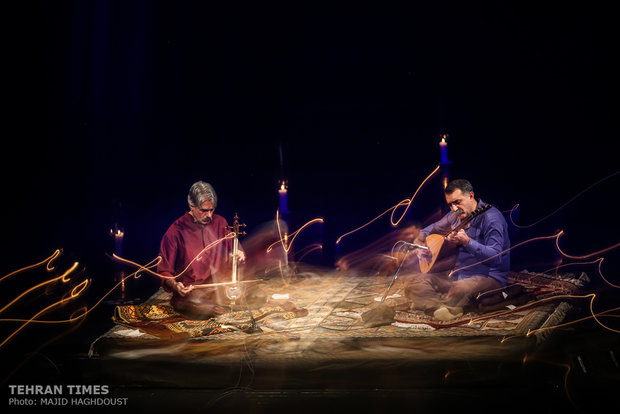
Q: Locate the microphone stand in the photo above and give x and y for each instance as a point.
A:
(395, 275)
(383, 314)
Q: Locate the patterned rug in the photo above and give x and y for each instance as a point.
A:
(529, 301)
(163, 322)
(330, 305)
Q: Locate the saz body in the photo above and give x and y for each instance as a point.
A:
(442, 255)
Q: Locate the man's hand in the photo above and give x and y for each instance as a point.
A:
(178, 287)
(460, 238)
(422, 253)
(240, 256)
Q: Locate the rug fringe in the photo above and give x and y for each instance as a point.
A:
(554, 319)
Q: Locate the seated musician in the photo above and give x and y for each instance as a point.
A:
(185, 261)
(479, 267)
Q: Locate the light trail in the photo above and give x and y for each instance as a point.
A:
(411, 199)
(287, 240)
(528, 306)
(159, 259)
(84, 310)
(406, 202)
(599, 268)
(47, 282)
(585, 256)
(47, 262)
(593, 315)
(562, 206)
(75, 292)
(555, 236)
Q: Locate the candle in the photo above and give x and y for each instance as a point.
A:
(118, 235)
(443, 146)
(282, 192)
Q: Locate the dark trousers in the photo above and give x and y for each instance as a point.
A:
(429, 291)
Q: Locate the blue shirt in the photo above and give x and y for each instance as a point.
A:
(488, 233)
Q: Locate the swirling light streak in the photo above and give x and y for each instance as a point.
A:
(303, 252)
(555, 236)
(585, 256)
(135, 275)
(287, 240)
(401, 203)
(309, 249)
(528, 306)
(599, 261)
(593, 315)
(600, 271)
(557, 244)
(47, 263)
(84, 310)
(145, 268)
(406, 202)
(62, 278)
(428, 177)
(79, 289)
(42, 345)
(159, 259)
(76, 291)
(562, 206)
(558, 266)
(526, 359)
(490, 291)
(555, 269)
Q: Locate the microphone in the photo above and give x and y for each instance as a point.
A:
(414, 245)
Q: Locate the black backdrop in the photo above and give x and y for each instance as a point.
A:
(112, 109)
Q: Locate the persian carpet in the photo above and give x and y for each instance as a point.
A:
(318, 311)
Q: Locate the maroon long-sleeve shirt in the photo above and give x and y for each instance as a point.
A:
(184, 240)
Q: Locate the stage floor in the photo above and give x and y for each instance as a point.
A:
(442, 375)
(317, 316)
(327, 359)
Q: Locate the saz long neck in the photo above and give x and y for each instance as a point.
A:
(469, 218)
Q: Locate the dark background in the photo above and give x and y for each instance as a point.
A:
(113, 109)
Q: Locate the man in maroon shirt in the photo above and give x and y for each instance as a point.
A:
(193, 250)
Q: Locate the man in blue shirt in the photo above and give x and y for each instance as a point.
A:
(482, 262)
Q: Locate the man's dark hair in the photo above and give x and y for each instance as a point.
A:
(460, 184)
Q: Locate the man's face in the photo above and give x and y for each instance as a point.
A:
(204, 213)
(461, 203)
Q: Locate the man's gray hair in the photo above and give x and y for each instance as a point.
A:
(200, 192)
